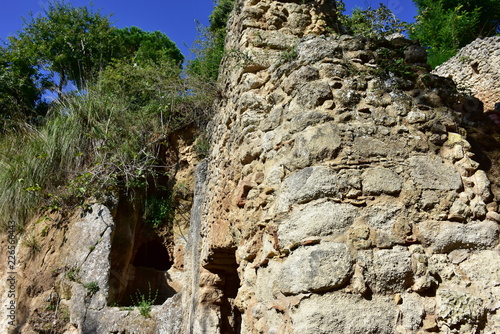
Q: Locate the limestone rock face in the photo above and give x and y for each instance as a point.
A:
(347, 190)
(476, 68)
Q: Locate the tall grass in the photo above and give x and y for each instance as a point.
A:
(108, 137)
(36, 163)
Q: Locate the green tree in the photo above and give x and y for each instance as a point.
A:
(489, 14)
(374, 23)
(209, 48)
(19, 93)
(445, 26)
(65, 45)
(142, 46)
(74, 43)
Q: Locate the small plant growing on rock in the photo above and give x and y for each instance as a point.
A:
(72, 274)
(45, 231)
(159, 210)
(202, 147)
(31, 242)
(92, 287)
(50, 307)
(291, 53)
(241, 58)
(144, 302)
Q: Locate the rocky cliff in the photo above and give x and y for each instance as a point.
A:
(476, 69)
(347, 190)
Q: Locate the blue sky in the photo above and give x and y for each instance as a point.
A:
(175, 18)
(405, 10)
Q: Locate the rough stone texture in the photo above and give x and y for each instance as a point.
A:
(306, 185)
(316, 268)
(317, 220)
(446, 236)
(378, 181)
(459, 309)
(340, 195)
(432, 173)
(476, 68)
(360, 185)
(344, 314)
(388, 271)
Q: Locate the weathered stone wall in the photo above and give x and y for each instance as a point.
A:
(348, 190)
(476, 68)
(68, 282)
(341, 188)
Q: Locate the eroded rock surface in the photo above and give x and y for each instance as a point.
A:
(476, 68)
(347, 184)
(343, 193)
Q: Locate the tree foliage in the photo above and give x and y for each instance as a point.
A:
(72, 42)
(69, 45)
(488, 19)
(142, 46)
(374, 23)
(445, 26)
(209, 48)
(113, 136)
(18, 91)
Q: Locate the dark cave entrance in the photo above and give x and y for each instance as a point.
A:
(230, 314)
(146, 276)
(154, 255)
(140, 260)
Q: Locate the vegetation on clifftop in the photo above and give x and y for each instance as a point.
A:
(120, 94)
(445, 26)
(209, 47)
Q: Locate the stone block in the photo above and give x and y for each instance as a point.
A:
(445, 236)
(378, 181)
(344, 314)
(309, 184)
(432, 173)
(321, 267)
(319, 219)
(389, 271)
(456, 308)
(315, 144)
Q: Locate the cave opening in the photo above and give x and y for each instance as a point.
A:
(147, 275)
(230, 314)
(154, 255)
(143, 272)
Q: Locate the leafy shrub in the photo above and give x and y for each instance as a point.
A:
(290, 53)
(392, 61)
(202, 147)
(373, 23)
(106, 139)
(159, 210)
(445, 26)
(209, 47)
